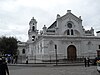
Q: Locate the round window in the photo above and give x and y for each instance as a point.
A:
(69, 25)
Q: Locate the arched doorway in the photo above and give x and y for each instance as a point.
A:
(71, 52)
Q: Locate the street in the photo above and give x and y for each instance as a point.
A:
(58, 70)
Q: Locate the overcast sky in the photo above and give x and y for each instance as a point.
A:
(16, 14)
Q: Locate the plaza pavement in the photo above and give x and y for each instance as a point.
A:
(25, 69)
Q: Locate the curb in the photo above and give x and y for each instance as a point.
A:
(45, 65)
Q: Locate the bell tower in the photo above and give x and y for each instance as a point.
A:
(32, 33)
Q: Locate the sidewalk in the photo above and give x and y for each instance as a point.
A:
(28, 65)
(47, 65)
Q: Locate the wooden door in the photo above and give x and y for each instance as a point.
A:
(71, 52)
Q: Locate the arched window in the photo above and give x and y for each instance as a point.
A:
(72, 32)
(55, 46)
(33, 28)
(68, 33)
(89, 45)
(23, 51)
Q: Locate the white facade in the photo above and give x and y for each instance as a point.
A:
(22, 48)
(66, 36)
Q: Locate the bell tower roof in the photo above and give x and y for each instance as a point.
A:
(33, 21)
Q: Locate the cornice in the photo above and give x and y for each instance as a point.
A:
(71, 37)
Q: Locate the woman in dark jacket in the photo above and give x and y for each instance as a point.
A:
(3, 67)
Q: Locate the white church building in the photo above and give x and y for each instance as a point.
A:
(66, 38)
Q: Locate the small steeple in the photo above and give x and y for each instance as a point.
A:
(79, 17)
(58, 16)
(44, 29)
(33, 21)
(68, 11)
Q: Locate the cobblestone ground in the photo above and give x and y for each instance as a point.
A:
(58, 70)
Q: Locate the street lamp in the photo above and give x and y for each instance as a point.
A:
(56, 53)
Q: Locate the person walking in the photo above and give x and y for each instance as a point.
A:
(3, 67)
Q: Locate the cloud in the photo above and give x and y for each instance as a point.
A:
(16, 14)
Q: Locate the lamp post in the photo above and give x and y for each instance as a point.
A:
(56, 54)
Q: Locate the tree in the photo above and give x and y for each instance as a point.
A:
(8, 45)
